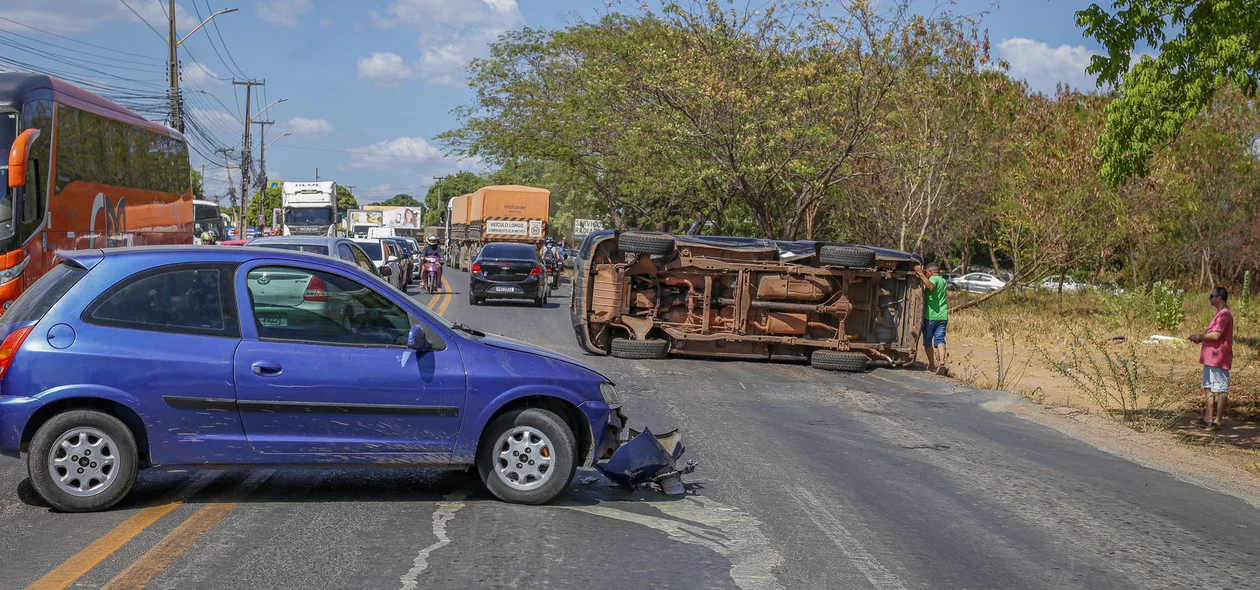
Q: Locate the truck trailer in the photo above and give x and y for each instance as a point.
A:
(510, 213)
(310, 208)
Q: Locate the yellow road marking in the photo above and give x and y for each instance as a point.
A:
(446, 290)
(83, 562)
(177, 543)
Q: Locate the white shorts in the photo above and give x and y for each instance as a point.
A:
(1215, 380)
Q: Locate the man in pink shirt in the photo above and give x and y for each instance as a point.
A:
(1216, 356)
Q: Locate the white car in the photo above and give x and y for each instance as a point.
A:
(1069, 285)
(978, 282)
(390, 267)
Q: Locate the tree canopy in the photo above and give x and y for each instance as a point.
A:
(1200, 47)
(345, 199)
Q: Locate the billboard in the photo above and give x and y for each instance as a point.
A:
(274, 184)
(586, 227)
(369, 218)
(400, 217)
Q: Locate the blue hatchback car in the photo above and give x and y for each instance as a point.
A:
(175, 357)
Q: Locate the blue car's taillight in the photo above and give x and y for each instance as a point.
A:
(10, 346)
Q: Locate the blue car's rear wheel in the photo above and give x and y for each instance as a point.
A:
(527, 456)
(82, 461)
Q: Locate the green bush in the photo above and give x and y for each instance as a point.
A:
(1170, 309)
(1244, 309)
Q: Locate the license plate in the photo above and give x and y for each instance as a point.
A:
(278, 320)
(505, 289)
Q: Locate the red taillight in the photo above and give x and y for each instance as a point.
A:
(10, 347)
(476, 268)
(536, 271)
(316, 290)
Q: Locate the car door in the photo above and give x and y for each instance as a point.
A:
(312, 384)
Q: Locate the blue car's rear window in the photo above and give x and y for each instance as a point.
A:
(40, 298)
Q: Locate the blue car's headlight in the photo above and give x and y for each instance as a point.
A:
(611, 396)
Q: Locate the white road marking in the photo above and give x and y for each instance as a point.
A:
(441, 516)
(874, 571)
(727, 531)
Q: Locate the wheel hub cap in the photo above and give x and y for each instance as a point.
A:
(83, 462)
(524, 459)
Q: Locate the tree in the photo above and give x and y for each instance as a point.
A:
(198, 188)
(264, 203)
(448, 187)
(345, 199)
(400, 200)
(1201, 47)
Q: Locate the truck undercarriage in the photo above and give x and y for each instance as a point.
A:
(649, 295)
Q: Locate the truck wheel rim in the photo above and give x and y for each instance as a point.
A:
(83, 462)
(524, 459)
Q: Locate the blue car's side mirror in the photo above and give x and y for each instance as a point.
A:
(417, 340)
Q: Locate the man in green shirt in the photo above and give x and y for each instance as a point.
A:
(935, 316)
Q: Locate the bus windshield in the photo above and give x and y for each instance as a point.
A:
(308, 216)
(8, 133)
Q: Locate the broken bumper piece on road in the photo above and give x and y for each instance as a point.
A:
(648, 458)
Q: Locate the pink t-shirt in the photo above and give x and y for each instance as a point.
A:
(1219, 353)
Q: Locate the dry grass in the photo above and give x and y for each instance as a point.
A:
(1085, 350)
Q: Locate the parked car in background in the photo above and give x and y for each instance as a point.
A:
(503, 270)
(233, 242)
(166, 357)
(340, 248)
(978, 282)
(1067, 285)
(388, 267)
(570, 254)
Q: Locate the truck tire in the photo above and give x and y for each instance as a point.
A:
(853, 362)
(624, 348)
(850, 256)
(637, 243)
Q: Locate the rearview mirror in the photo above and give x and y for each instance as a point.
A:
(418, 340)
(19, 156)
(385, 271)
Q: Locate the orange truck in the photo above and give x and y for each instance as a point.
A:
(510, 213)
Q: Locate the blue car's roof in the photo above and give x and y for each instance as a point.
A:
(172, 254)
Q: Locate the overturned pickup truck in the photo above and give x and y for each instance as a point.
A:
(838, 306)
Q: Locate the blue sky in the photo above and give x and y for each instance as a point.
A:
(370, 83)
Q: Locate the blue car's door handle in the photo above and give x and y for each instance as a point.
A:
(267, 369)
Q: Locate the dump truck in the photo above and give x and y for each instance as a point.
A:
(496, 214)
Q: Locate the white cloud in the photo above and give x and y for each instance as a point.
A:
(282, 12)
(1043, 66)
(81, 16)
(309, 127)
(200, 76)
(383, 69)
(400, 151)
(450, 33)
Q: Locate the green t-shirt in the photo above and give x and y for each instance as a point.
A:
(934, 300)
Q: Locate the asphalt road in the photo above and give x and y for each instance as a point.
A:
(809, 479)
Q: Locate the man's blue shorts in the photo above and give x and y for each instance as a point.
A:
(934, 331)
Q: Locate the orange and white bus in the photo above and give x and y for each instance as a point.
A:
(82, 172)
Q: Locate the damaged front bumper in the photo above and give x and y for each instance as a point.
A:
(632, 459)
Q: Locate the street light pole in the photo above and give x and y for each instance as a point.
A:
(173, 42)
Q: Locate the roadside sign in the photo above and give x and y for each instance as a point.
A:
(275, 184)
(586, 227)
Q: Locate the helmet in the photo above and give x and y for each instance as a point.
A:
(550, 240)
(433, 240)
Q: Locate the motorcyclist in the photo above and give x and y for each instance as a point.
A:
(554, 256)
(432, 249)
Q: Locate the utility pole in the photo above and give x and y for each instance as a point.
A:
(262, 167)
(316, 174)
(227, 164)
(246, 157)
(177, 115)
(173, 42)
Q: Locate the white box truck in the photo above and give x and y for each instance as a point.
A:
(310, 208)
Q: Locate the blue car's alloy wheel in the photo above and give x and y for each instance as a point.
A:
(518, 437)
(82, 460)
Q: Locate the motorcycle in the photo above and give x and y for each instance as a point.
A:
(553, 271)
(431, 274)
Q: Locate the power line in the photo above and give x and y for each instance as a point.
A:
(21, 24)
(133, 11)
(215, 47)
(148, 65)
